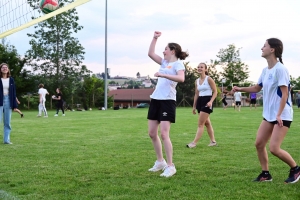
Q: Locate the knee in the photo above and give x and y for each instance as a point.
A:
(207, 123)
(274, 150)
(152, 134)
(165, 136)
(259, 145)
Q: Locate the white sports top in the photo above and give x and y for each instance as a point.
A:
(43, 92)
(271, 80)
(166, 89)
(5, 83)
(237, 96)
(204, 89)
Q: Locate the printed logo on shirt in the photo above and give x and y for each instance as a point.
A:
(165, 114)
(169, 67)
(270, 76)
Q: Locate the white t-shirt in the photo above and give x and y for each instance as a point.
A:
(43, 92)
(271, 80)
(166, 89)
(204, 89)
(237, 96)
(5, 84)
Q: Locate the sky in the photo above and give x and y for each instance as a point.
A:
(201, 27)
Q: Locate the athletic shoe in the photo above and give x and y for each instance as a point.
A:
(46, 116)
(169, 171)
(55, 115)
(191, 145)
(8, 143)
(22, 115)
(211, 144)
(38, 116)
(63, 115)
(263, 177)
(158, 166)
(293, 176)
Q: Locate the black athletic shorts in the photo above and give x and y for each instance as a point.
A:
(237, 103)
(162, 110)
(224, 102)
(201, 104)
(253, 101)
(285, 123)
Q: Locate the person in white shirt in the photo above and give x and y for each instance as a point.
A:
(162, 107)
(42, 99)
(277, 111)
(205, 94)
(238, 100)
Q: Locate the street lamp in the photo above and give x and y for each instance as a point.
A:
(223, 81)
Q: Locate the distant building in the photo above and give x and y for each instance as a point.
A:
(130, 97)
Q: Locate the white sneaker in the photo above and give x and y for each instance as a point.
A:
(211, 144)
(55, 115)
(63, 115)
(46, 116)
(38, 116)
(169, 171)
(158, 166)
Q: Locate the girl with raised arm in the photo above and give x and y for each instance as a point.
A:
(162, 108)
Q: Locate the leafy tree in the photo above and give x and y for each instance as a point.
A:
(234, 70)
(213, 72)
(186, 90)
(24, 79)
(94, 89)
(295, 82)
(55, 54)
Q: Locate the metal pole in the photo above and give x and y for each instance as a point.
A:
(105, 84)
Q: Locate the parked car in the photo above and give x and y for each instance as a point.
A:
(143, 105)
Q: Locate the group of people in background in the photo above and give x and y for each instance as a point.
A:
(277, 109)
(9, 101)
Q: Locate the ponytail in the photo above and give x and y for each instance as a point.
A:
(280, 59)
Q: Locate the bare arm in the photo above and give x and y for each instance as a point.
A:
(151, 53)
(213, 86)
(195, 97)
(256, 88)
(40, 96)
(285, 93)
(179, 77)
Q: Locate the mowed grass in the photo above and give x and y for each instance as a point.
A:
(107, 154)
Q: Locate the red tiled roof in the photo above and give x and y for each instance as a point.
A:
(131, 94)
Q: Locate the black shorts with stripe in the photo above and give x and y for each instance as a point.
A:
(162, 110)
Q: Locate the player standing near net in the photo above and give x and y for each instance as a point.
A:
(162, 108)
(8, 100)
(205, 94)
(277, 111)
(42, 100)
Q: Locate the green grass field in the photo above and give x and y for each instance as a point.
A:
(107, 154)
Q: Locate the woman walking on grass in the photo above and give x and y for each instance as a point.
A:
(205, 94)
(162, 108)
(8, 100)
(277, 111)
(60, 102)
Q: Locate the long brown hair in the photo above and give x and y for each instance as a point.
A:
(8, 73)
(178, 51)
(278, 46)
(206, 72)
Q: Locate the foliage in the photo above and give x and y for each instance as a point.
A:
(234, 70)
(55, 55)
(186, 90)
(295, 82)
(24, 79)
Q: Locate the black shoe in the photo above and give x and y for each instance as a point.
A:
(22, 115)
(293, 176)
(263, 177)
